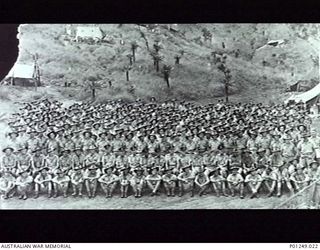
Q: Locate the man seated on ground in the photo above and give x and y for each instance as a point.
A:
(218, 183)
(269, 179)
(202, 181)
(24, 184)
(286, 178)
(43, 181)
(186, 181)
(153, 180)
(77, 179)
(124, 180)
(108, 181)
(7, 184)
(299, 178)
(254, 181)
(169, 182)
(60, 183)
(138, 181)
(235, 181)
(91, 176)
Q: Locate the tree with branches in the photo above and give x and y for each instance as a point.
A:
(157, 58)
(134, 47)
(91, 84)
(166, 70)
(130, 57)
(207, 35)
(157, 45)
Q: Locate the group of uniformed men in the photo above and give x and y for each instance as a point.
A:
(147, 148)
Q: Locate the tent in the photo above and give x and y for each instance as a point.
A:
(309, 97)
(84, 32)
(23, 75)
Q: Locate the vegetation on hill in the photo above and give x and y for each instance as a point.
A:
(195, 77)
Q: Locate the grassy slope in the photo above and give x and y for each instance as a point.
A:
(194, 79)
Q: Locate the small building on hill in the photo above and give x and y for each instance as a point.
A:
(86, 33)
(24, 75)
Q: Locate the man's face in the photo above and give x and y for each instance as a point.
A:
(8, 151)
(234, 171)
(25, 174)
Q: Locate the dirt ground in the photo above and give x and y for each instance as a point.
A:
(146, 202)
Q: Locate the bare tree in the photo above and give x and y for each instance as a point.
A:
(127, 69)
(91, 84)
(166, 70)
(36, 71)
(207, 35)
(157, 46)
(130, 56)
(179, 56)
(157, 58)
(134, 47)
(227, 78)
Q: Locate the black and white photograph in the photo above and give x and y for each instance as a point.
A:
(162, 116)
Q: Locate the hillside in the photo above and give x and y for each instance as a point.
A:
(195, 78)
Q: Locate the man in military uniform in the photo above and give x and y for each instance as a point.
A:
(172, 161)
(91, 176)
(235, 181)
(37, 161)
(306, 150)
(270, 180)
(7, 184)
(78, 158)
(315, 139)
(169, 181)
(254, 181)
(137, 181)
(108, 181)
(201, 181)
(9, 161)
(43, 181)
(186, 181)
(52, 160)
(153, 180)
(52, 143)
(32, 142)
(61, 183)
(23, 159)
(65, 161)
(77, 179)
(299, 178)
(24, 184)
(92, 157)
(124, 180)
(288, 149)
(218, 182)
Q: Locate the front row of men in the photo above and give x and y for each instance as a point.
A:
(221, 181)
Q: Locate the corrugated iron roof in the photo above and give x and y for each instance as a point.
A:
(22, 71)
(89, 32)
